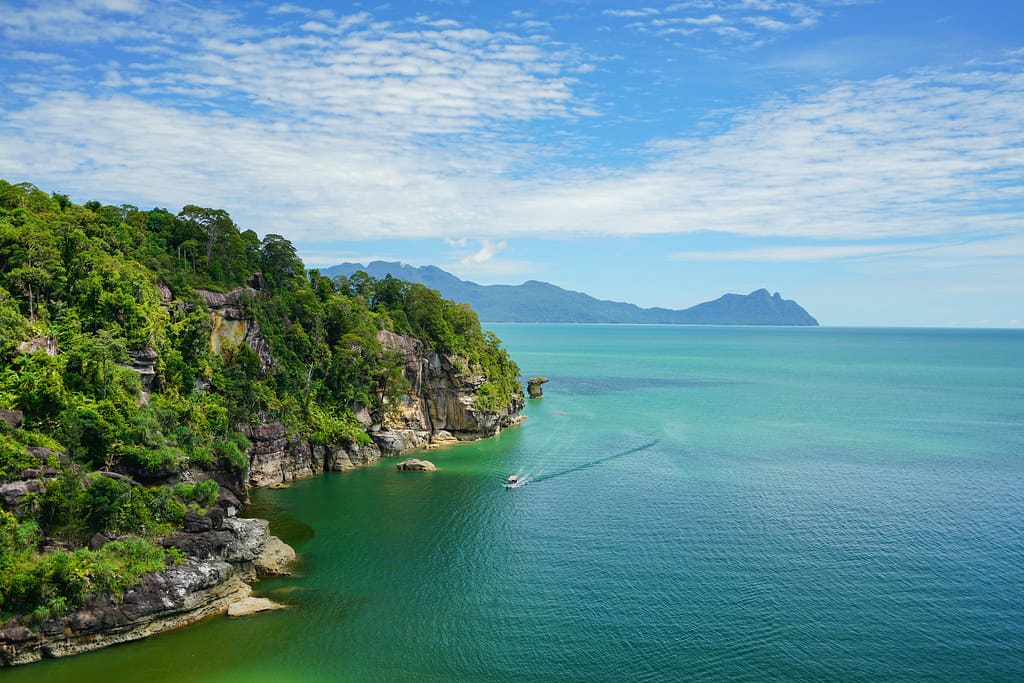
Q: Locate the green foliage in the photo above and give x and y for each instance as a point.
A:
(230, 454)
(94, 280)
(45, 586)
(202, 494)
(330, 427)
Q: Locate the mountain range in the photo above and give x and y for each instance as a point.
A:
(542, 302)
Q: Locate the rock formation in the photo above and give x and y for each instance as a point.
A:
(440, 402)
(252, 605)
(13, 418)
(233, 324)
(225, 554)
(533, 386)
(47, 344)
(416, 465)
(439, 409)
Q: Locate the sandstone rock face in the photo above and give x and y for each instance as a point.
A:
(47, 344)
(274, 458)
(440, 400)
(144, 363)
(232, 324)
(415, 465)
(533, 387)
(344, 457)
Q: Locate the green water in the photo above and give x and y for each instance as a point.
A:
(708, 503)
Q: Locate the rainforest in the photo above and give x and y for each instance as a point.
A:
(140, 350)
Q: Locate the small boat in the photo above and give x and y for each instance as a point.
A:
(513, 481)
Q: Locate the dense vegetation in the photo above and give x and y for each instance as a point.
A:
(95, 287)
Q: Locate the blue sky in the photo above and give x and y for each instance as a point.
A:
(863, 158)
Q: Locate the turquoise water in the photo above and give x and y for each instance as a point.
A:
(708, 503)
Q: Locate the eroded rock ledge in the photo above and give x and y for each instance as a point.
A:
(227, 553)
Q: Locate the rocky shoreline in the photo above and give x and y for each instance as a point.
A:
(437, 411)
(227, 554)
(224, 553)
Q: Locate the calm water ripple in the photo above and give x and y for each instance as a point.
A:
(707, 504)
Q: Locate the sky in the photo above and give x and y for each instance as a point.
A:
(864, 158)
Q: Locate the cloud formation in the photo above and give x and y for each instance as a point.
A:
(344, 127)
(705, 23)
(488, 250)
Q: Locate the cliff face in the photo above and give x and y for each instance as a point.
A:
(231, 324)
(276, 458)
(438, 409)
(439, 406)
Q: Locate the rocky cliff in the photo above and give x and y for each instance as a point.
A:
(438, 409)
(233, 325)
(225, 553)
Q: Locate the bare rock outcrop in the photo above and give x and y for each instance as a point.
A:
(252, 605)
(441, 403)
(232, 324)
(47, 344)
(13, 418)
(416, 465)
(181, 595)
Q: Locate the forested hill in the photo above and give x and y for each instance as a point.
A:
(110, 391)
(542, 302)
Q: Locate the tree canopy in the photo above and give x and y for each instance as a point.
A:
(88, 290)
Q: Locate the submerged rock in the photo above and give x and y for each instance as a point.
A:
(250, 605)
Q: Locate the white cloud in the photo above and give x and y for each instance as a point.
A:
(630, 13)
(721, 19)
(391, 131)
(926, 155)
(488, 250)
(796, 253)
(711, 19)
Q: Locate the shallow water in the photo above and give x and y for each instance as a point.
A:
(707, 503)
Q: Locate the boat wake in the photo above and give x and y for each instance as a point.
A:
(522, 479)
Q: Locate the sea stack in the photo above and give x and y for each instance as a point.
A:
(533, 387)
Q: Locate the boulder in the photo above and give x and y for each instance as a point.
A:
(251, 605)
(416, 465)
(533, 387)
(13, 418)
(12, 493)
(47, 344)
(275, 558)
(195, 523)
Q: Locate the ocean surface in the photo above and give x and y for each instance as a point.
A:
(722, 504)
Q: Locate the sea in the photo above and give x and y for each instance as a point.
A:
(702, 504)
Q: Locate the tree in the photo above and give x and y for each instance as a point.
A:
(279, 262)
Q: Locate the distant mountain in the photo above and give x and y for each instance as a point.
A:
(541, 302)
